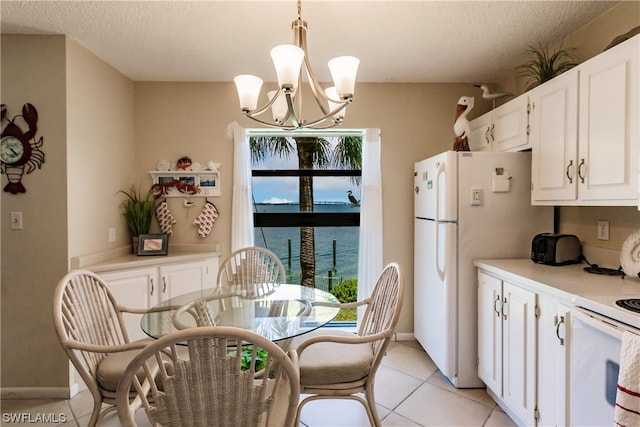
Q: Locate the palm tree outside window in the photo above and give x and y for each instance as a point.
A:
(305, 192)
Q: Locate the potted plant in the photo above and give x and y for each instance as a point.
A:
(545, 65)
(138, 209)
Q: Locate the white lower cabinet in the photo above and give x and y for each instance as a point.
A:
(145, 287)
(507, 345)
(523, 354)
(553, 362)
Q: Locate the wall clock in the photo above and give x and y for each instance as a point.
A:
(19, 150)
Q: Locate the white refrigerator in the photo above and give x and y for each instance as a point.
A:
(468, 206)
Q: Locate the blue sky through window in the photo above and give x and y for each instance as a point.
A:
(285, 189)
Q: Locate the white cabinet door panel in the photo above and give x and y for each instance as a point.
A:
(133, 288)
(609, 126)
(519, 339)
(553, 134)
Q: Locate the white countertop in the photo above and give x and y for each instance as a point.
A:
(123, 258)
(570, 284)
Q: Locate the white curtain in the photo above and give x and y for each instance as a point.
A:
(370, 253)
(242, 213)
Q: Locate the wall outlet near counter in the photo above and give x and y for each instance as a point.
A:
(603, 230)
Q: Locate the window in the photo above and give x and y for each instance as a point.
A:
(306, 192)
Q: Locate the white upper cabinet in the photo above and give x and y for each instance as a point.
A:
(553, 123)
(585, 132)
(609, 123)
(502, 129)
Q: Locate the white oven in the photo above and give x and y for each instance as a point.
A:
(595, 342)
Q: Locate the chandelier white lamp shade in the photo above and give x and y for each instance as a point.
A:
(334, 105)
(248, 91)
(290, 61)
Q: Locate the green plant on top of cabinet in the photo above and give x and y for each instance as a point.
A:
(545, 65)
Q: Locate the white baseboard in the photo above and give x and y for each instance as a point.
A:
(16, 393)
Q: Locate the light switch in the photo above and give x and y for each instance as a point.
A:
(16, 220)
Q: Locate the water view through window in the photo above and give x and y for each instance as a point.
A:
(305, 192)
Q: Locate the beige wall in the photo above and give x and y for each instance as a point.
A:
(86, 120)
(103, 133)
(34, 70)
(100, 150)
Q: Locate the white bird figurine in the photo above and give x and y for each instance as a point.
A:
(461, 126)
(486, 94)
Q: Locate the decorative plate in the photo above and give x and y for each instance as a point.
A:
(163, 165)
(630, 255)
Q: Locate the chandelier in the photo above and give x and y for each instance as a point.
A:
(286, 102)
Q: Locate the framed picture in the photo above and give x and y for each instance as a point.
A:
(210, 183)
(153, 244)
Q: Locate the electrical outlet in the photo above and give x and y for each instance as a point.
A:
(112, 234)
(603, 230)
(476, 197)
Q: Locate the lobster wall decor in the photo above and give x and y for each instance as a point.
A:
(19, 150)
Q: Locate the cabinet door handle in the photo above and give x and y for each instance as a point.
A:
(164, 284)
(581, 168)
(504, 304)
(569, 171)
(495, 305)
(492, 128)
(152, 287)
(486, 135)
(558, 321)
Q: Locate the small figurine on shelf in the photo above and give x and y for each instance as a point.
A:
(184, 163)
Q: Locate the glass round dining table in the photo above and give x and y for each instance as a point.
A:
(284, 313)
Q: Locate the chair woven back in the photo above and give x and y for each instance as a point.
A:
(251, 272)
(383, 310)
(85, 312)
(232, 377)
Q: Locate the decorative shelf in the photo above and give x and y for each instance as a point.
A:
(207, 181)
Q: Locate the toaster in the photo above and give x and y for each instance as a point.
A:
(556, 249)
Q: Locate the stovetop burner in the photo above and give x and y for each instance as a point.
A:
(632, 304)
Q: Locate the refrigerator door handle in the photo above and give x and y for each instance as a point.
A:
(439, 171)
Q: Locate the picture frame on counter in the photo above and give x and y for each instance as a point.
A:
(153, 244)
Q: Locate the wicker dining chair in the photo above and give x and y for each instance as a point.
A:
(90, 327)
(230, 377)
(338, 364)
(251, 272)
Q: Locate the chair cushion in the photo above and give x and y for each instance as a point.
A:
(333, 363)
(110, 370)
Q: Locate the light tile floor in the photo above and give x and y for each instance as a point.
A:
(410, 391)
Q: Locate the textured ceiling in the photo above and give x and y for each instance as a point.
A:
(396, 41)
